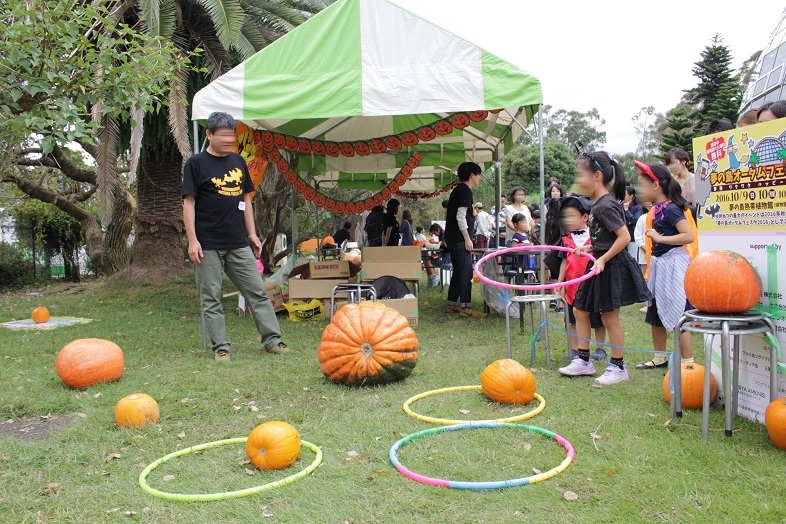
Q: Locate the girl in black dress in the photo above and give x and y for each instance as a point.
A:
(618, 281)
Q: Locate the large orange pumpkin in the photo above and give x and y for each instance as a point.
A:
(368, 343)
(692, 386)
(508, 382)
(273, 445)
(40, 315)
(722, 282)
(775, 420)
(136, 410)
(89, 361)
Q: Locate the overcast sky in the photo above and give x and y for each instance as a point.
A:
(615, 56)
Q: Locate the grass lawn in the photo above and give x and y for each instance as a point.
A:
(640, 469)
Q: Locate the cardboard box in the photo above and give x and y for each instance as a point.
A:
(406, 306)
(276, 298)
(326, 269)
(402, 262)
(407, 271)
(340, 302)
(301, 288)
(391, 254)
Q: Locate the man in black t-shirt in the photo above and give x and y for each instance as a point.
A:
(459, 225)
(219, 223)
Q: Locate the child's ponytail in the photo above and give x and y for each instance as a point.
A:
(668, 184)
(613, 174)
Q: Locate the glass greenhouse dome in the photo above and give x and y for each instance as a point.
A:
(769, 82)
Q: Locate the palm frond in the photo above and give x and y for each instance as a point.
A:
(215, 57)
(251, 40)
(311, 7)
(135, 147)
(158, 17)
(176, 114)
(106, 158)
(227, 18)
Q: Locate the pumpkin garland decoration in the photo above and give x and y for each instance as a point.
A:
(508, 382)
(89, 361)
(775, 420)
(722, 282)
(367, 344)
(273, 445)
(272, 142)
(136, 410)
(40, 315)
(692, 385)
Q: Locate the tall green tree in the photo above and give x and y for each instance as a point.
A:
(521, 166)
(570, 127)
(72, 69)
(719, 92)
(646, 124)
(677, 131)
(227, 32)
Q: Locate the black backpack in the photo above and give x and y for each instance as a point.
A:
(374, 228)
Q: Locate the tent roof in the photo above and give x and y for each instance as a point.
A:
(365, 69)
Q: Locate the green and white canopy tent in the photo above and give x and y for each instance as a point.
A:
(367, 69)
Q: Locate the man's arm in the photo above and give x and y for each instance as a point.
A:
(194, 247)
(251, 228)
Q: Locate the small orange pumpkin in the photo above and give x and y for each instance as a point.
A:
(722, 282)
(362, 149)
(393, 142)
(409, 139)
(366, 344)
(136, 410)
(273, 445)
(443, 127)
(775, 420)
(40, 315)
(318, 147)
(292, 144)
(347, 149)
(508, 382)
(378, 146)
(332, 149)
(89, 361)
(280, 141)
(339, 207)
(426, 133)
(330, 204)
(460, 120)
(304, 146)
(692, 385)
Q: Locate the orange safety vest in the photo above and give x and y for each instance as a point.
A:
(693, 247)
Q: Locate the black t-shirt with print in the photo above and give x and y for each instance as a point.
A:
(219, 185)
(606, 216)
(461, 196)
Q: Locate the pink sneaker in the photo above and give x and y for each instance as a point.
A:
(577, 368)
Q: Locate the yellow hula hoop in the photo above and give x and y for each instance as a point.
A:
(444, 421)
(206, 497)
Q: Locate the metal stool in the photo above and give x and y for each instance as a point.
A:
(530, 300)
(354, 294)
(727, 326)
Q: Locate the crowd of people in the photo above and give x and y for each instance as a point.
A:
(642, 241)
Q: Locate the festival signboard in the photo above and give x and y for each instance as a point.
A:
(741, 191)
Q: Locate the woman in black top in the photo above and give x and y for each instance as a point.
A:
(390, 224)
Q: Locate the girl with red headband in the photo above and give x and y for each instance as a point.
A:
(618, 281)
(671, 229)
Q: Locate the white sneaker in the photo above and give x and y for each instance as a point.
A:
(612, 375)
(577, 368)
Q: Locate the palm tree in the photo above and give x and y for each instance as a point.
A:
(222, 33)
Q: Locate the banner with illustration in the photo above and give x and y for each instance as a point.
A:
(741, 191)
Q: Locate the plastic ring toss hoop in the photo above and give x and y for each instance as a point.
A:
(433, 420)
(533, 287)
(205, 497)
(570, 453)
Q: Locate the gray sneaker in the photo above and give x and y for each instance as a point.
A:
(279, 349)
(222, 355)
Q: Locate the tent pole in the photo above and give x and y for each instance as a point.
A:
(196, 137)
(541, 205)
(497, 192)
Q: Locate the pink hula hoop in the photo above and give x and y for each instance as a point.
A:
(533, 287)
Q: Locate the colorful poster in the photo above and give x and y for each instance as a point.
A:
(741, 190)
(249, 146)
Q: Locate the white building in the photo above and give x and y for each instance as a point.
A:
(768, 83)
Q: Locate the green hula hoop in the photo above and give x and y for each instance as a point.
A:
(444, 421)
(206, 497)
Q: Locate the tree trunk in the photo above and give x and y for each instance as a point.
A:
(158, 247)
(272, 202)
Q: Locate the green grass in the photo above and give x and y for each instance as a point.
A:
(642, 469)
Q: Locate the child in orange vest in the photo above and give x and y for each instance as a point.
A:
(670, 230)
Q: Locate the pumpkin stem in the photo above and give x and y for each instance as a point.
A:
(366, 349)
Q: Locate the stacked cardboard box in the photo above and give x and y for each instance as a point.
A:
(402, 262)
(317, 279)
